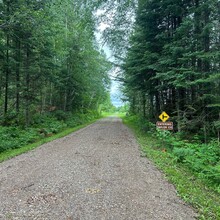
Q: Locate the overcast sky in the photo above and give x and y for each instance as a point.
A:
(115, 91)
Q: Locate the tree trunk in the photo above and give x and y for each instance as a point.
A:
(144, 105)
(18, 57)
(7, 63)
(27, 95)
(6, 74)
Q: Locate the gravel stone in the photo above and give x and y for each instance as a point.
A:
(96, 173)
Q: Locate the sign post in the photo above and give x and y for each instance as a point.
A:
(164, 117)
(164, 125)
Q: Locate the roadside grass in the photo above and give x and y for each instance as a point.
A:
(120, 114)
(116, 114)
(192, 190)
(8, 154)
(106, 114)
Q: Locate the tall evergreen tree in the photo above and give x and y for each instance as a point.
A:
(172, 62)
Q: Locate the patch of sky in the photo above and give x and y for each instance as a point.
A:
(115, 92)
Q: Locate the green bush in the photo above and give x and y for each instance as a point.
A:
(16, 137)
(48, 124)
(43, 125)
(75, 120)
(202, 159)
(61, 115)
(182, 153)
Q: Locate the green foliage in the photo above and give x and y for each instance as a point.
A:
(191, 166)
(50, 60)
(44, 125)
(107, 105)
(123, 109)
(202, 159)
(61, 115)
(15, 137)
(172, 64)
(119, 27)
(15, 152)
(182, 153)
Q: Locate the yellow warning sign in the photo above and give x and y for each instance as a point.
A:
(164, 116)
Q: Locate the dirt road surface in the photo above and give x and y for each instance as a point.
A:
(95, 173)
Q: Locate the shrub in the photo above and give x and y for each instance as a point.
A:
(182, 153)
(61, 115)
(43, 125)
(202, 159)
(16, 137)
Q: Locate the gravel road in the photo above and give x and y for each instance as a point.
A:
(95, 173)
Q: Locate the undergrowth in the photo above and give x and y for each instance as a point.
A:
(193, 167)
(43, 126)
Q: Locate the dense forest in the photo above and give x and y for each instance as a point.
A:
(53, 72)
(167, 56)
(167, 53)
(173, 63)
(50, 59)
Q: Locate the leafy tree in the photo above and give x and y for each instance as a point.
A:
(49, 59)
(172, 63)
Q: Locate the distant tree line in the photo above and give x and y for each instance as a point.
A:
(49, 59)
(173, 63)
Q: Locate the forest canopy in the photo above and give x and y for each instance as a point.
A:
(171, 60)
(49, 59)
